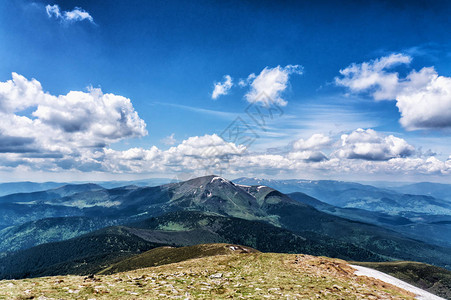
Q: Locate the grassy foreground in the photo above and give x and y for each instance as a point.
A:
(167, 255)
(226, 276)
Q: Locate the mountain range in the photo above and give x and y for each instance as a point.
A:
(8, 188)
(421, 216)
(87, 227)
(356, 195)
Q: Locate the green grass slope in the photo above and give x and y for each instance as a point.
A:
(168, 255)
(243, 276)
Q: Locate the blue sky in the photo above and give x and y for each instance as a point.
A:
(165, 58)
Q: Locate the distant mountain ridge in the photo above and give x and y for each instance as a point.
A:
(51, 194)
(418, 216)
(7, 188)
(436, 190)
(432, 229)
(355, 195)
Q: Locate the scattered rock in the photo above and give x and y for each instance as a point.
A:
(216, 276)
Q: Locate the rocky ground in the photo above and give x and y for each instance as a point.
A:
(250, 276)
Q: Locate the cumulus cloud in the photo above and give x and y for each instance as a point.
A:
(210, 154)
(308, 150)
(265, 88)
(100, 116)
(44, 132)
(77, 125)
(425, 100)
(269, 85)
(222, 88)
(205, 154)
(423, 97)
(206, 146)
(370, 145)
(315, 142)
(359, 152)
(77, 14)
(15, 144)
(373, 76)
(307, 155)
(19, 93)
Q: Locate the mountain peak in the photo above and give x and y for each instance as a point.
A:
(205, 180)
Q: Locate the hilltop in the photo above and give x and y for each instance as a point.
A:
(235, 274)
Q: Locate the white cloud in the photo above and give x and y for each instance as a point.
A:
(206, 146)
(308, 150)
(77, 14)
(307, 155)
(73, 132)
(222, 88)
(373, 76)
(315, 142)
(203, 154)
(19, 93)
(268, 86)
(53, 10)
(425, 100)
(77, 125)
(370, 145)
(209, 154)
(169, 140)
(104, 116)
(422, 97)
(243, 82)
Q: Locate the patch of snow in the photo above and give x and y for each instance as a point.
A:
(82, 204)
(242, 185)
(141, 214)
(218, 178)
(420, 294)
(260, 187)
